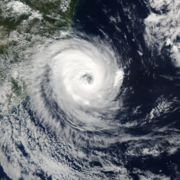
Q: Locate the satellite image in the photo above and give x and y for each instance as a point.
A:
(89, 90)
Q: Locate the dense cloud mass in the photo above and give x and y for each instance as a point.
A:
(78, 78)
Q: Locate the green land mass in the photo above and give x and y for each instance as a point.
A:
(54, 18)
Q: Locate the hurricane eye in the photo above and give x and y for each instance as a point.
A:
(87, 78)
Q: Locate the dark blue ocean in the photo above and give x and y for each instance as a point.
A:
(150, 78)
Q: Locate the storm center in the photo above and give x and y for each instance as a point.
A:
(87, 78)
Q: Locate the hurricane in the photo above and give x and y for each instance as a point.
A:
(89, 90)
(79, 78)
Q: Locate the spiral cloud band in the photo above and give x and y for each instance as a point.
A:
(76, 81)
